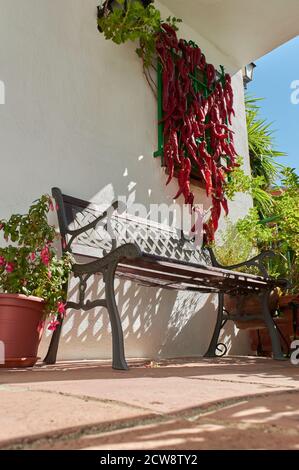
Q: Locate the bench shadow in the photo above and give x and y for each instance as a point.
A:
(193, 368)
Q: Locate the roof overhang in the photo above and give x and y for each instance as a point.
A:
(243, 30)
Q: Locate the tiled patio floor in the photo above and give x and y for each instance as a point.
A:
(228, 403)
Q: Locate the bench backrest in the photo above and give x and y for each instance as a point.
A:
(89, 231)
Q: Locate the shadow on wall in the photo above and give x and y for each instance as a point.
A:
(157, 323)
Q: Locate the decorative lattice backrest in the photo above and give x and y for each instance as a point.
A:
(87, 231)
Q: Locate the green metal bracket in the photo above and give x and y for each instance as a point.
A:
(160, 151)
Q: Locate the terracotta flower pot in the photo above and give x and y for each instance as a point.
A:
(20, 335)
(286, 300)
(261, 339)
(249, 305)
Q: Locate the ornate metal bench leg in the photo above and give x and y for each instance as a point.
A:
(211, 352)
(53, 348)
(119, 361)
(272, 329)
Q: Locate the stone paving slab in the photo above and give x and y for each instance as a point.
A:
(268, 422)
(174, 404)
(26, 413)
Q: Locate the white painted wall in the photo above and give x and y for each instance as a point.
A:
(79, 115)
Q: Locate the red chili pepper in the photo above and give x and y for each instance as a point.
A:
(215, 219)
(209, 235)
(208, 179)
(181, 179)
(231, 146)
(198, 109)
(188, 125)
(225, 205)
(195, 127)
(203, 152)
(171, 170)
(205, 108)
(187, 166)
(211, 74)
(202, 62)
(217, 134)
(183, 70)
(217, 152)
(169, 36)
(192, 152)
(169, 161)
(169, 29)
(197, 56)
(220, 176)
(226, 149)
(171, 106)
(175, 146)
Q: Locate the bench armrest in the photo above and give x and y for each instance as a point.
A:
(63, 224)
(256, 261)
(129, 251)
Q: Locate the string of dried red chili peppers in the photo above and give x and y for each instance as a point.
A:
(196, 133)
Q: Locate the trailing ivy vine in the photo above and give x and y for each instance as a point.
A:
(134, 20)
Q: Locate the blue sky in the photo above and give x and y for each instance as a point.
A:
(272, 80)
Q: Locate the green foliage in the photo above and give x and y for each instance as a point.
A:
(263, 161)
(29, 264)
(280, 230)
(277, 230)
(262, 152)
(231, 237)
(134, 23)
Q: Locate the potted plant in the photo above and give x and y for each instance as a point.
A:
(277, 231)
(32, 282)
(285, 225)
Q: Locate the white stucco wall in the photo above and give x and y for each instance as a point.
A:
(79, 115)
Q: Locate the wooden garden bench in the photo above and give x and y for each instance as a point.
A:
(118, 244)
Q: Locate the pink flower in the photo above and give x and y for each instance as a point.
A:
(49, 275)
(51, 205)
(40, 326)
(61, 308)
(2, 261)
(32, 256)
(9, 267)
(53, 325)
(45, 256)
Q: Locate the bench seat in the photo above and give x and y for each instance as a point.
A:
(152, 255)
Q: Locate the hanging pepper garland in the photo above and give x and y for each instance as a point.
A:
(197, 102)
(196, 133)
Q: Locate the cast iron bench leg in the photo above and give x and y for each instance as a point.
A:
(53, 348)
(211, 352)
(272, 328)
(118, 361)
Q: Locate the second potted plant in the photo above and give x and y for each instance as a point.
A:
(32, 283)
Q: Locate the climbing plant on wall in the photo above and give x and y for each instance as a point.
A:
(195, 101)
